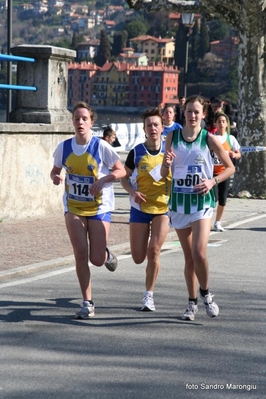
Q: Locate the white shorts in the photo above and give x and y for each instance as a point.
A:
(182, 221)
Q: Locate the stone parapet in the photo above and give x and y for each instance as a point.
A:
(49, 74)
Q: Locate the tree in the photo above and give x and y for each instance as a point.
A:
(218, 30)
(180, 46)
(209, 66)
(158, 24)
(104, 52)
(74, 43)
(204, 45)
(63, 42)
(120, 41)
(248, 17)
(195, 42)
(136, 28)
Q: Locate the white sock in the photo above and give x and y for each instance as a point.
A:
(150, 293)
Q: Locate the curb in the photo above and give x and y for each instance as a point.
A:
(119, 249)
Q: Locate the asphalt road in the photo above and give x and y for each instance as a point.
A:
(123, 352)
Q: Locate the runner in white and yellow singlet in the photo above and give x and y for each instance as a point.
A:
(88, 199)
(149, 194)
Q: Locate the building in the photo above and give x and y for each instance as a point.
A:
(128, 55)
(156, 49)
(153, 85)
(87, 50)
(121, 84)
(111, 85)
(80, 78)
(109, 24)
(40, 7)
(226, 49)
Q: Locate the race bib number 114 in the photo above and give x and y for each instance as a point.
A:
(79, 187)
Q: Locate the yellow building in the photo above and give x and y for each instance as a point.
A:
(156, 49)
(111, 84)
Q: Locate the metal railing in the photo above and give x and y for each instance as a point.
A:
(10, 58)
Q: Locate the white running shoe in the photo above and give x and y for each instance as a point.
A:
(190, 311)
(212, 308)
(148, 303)
(218, 227)
(86, 311)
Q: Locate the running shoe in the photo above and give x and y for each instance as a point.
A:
(212, 308)
(218, 227)
(148, 303)
(86, 311)
(111, 263)
(190, 312)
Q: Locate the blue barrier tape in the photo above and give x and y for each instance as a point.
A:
(252, 149)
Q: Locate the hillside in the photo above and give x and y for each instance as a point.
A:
(54, 22)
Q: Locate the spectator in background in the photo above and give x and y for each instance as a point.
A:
(168, 114)
(209, 115)
(215, 105)
(179, 111)
(109, 135)
(232, 147)
(228, 110)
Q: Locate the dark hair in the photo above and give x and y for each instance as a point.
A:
(195, 98)
(152, 112)
(108, 132)
(82, 104)
(217, 115)
(216, 101)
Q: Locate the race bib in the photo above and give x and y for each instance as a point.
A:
(79, 187)
(156, 173)
(216, 160)
(186, 184)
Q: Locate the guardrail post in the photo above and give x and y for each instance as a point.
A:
(49, 74)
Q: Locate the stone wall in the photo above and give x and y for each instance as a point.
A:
(26, 159)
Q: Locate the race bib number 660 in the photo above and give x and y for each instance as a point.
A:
(186, 185)
(79, 187)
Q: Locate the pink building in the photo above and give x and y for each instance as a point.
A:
(80, 79)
